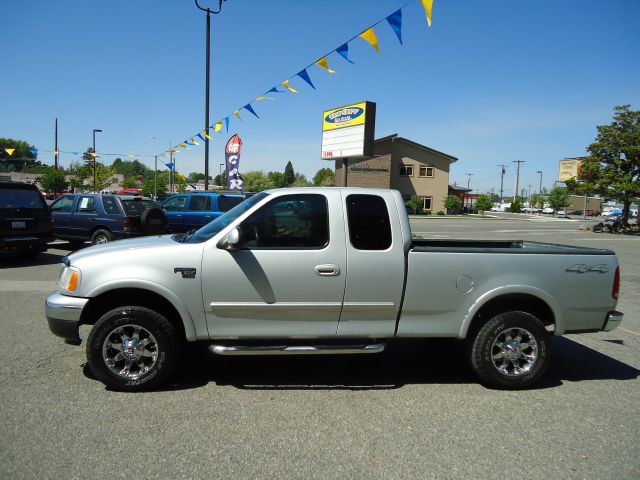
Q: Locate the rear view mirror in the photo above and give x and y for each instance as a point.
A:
(231, 241)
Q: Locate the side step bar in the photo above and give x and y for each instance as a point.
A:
(295, 349)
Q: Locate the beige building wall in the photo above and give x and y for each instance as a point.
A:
(369, 173)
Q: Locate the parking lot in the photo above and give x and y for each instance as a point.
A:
(415, 411)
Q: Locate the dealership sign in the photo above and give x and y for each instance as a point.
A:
(569, 168)
(348, 131)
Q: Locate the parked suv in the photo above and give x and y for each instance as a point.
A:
(25, 222)
(194, 210)
(101, 218)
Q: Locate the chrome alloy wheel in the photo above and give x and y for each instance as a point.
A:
(101, 239)
(514, 352)
(130, 351)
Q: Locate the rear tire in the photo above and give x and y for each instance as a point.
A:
(101, 236)
(133, 348)
(511, 351)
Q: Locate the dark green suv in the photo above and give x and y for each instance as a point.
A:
(25, 221)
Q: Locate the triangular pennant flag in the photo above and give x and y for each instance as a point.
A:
(169, 166)
(285, 84)
(262, 97)
(201, 137)
(56, 152)
(237, 113)
(324, 64)
(370, 37)
(72, 153)
(173, 150)
(343, 50)
(217, 127)
(395, 22)
(131, 155)
(10, 151)
(193, 141)
(164, 154)
(183, 145)
(34, 151)
(305, 76)
(204, 132)
(226, 123)
(189, 142)
(250, 108)
(428, 7)
(93, 154)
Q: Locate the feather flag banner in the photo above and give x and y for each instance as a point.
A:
(370, 37)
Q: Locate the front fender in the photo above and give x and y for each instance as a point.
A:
(510, 290)
(185, 315)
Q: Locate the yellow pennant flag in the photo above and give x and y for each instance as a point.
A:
(285, 84)
(94, 154)
(204, 132)
(10, 151)
(56, 152)
(263, 98)
(193, 140)
(237, 114)
(173, 150)
(183, 145)
(131, 155)
(217, 127)
(323, 63)
(428, 7)
(370, 37)
(164, 154)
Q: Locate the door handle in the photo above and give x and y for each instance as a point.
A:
(178, 216)
(328, 270)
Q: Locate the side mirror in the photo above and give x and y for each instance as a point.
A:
(232, 240)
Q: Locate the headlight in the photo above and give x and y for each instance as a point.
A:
(69, 279)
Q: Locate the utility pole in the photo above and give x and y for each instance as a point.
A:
(502, 167)
(207, 82)
(94, 158)
(469, 179)
(171, 169)
(155, 180)
(55, 148)
(517, 178)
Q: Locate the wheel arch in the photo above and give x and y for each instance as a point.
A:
(143, 297)
(530, 300)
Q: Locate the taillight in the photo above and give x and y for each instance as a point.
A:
(128, 222)
(616, 284)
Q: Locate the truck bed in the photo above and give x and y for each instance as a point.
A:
(503, 246)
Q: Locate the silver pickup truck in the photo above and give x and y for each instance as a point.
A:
(327, 271)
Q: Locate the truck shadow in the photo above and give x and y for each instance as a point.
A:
(404, 363)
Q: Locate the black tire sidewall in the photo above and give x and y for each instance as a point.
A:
(100, 232)
(481, 358)
(166, 339)
(149, 214)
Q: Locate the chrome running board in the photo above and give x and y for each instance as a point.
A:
(295, 349)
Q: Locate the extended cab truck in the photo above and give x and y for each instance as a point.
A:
(327, 270)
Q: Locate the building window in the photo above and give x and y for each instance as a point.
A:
(406, 171)
(426, 171)
(426, 204)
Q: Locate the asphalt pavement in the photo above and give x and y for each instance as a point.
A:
(415, 411)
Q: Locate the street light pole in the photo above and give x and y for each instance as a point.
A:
(220, 173)
(94, 157)
(540, 189)
(155, 179)
(207, 82)
(502, 167)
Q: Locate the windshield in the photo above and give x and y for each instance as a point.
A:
(210, 229)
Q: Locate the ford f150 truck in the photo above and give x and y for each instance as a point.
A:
(327, 271)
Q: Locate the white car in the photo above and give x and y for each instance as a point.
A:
(530, 210)
(548, 210)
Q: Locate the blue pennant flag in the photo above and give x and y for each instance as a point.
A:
(169, 166)
(74, 153)
(395, 22)
(250, 108)
(275, 90)
(189, 143)
(226, 123)
(305, 76)
(201, 137)
(343, 50)
(34, 151)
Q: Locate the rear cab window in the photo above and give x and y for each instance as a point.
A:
(227, 202)
(135, 206)
(369, 224)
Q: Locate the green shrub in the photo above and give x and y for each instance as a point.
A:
(440, 212)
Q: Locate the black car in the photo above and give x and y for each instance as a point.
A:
(78, 217)
(25, 221)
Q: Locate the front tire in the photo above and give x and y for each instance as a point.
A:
(133, 348)
(511, 351)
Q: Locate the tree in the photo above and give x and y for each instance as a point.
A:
(613, 167)
(256, 181)
(149, 183)
(301, 181)
(277, 179)
(289, 175)
(23, 155)
(195, 177)
(558, 199)
(221, 180)
(452, 203)
(54, 181)
(535, 200)
(324, 178)
(414, 202)
(130, 182)
(483, 203)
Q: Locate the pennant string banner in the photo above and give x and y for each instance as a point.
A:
(394, 20)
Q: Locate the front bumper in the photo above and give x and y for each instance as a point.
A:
(63, 314)
(612, 321)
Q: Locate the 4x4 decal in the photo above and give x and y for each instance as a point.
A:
(186, 272)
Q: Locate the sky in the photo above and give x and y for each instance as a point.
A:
(490, 82)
